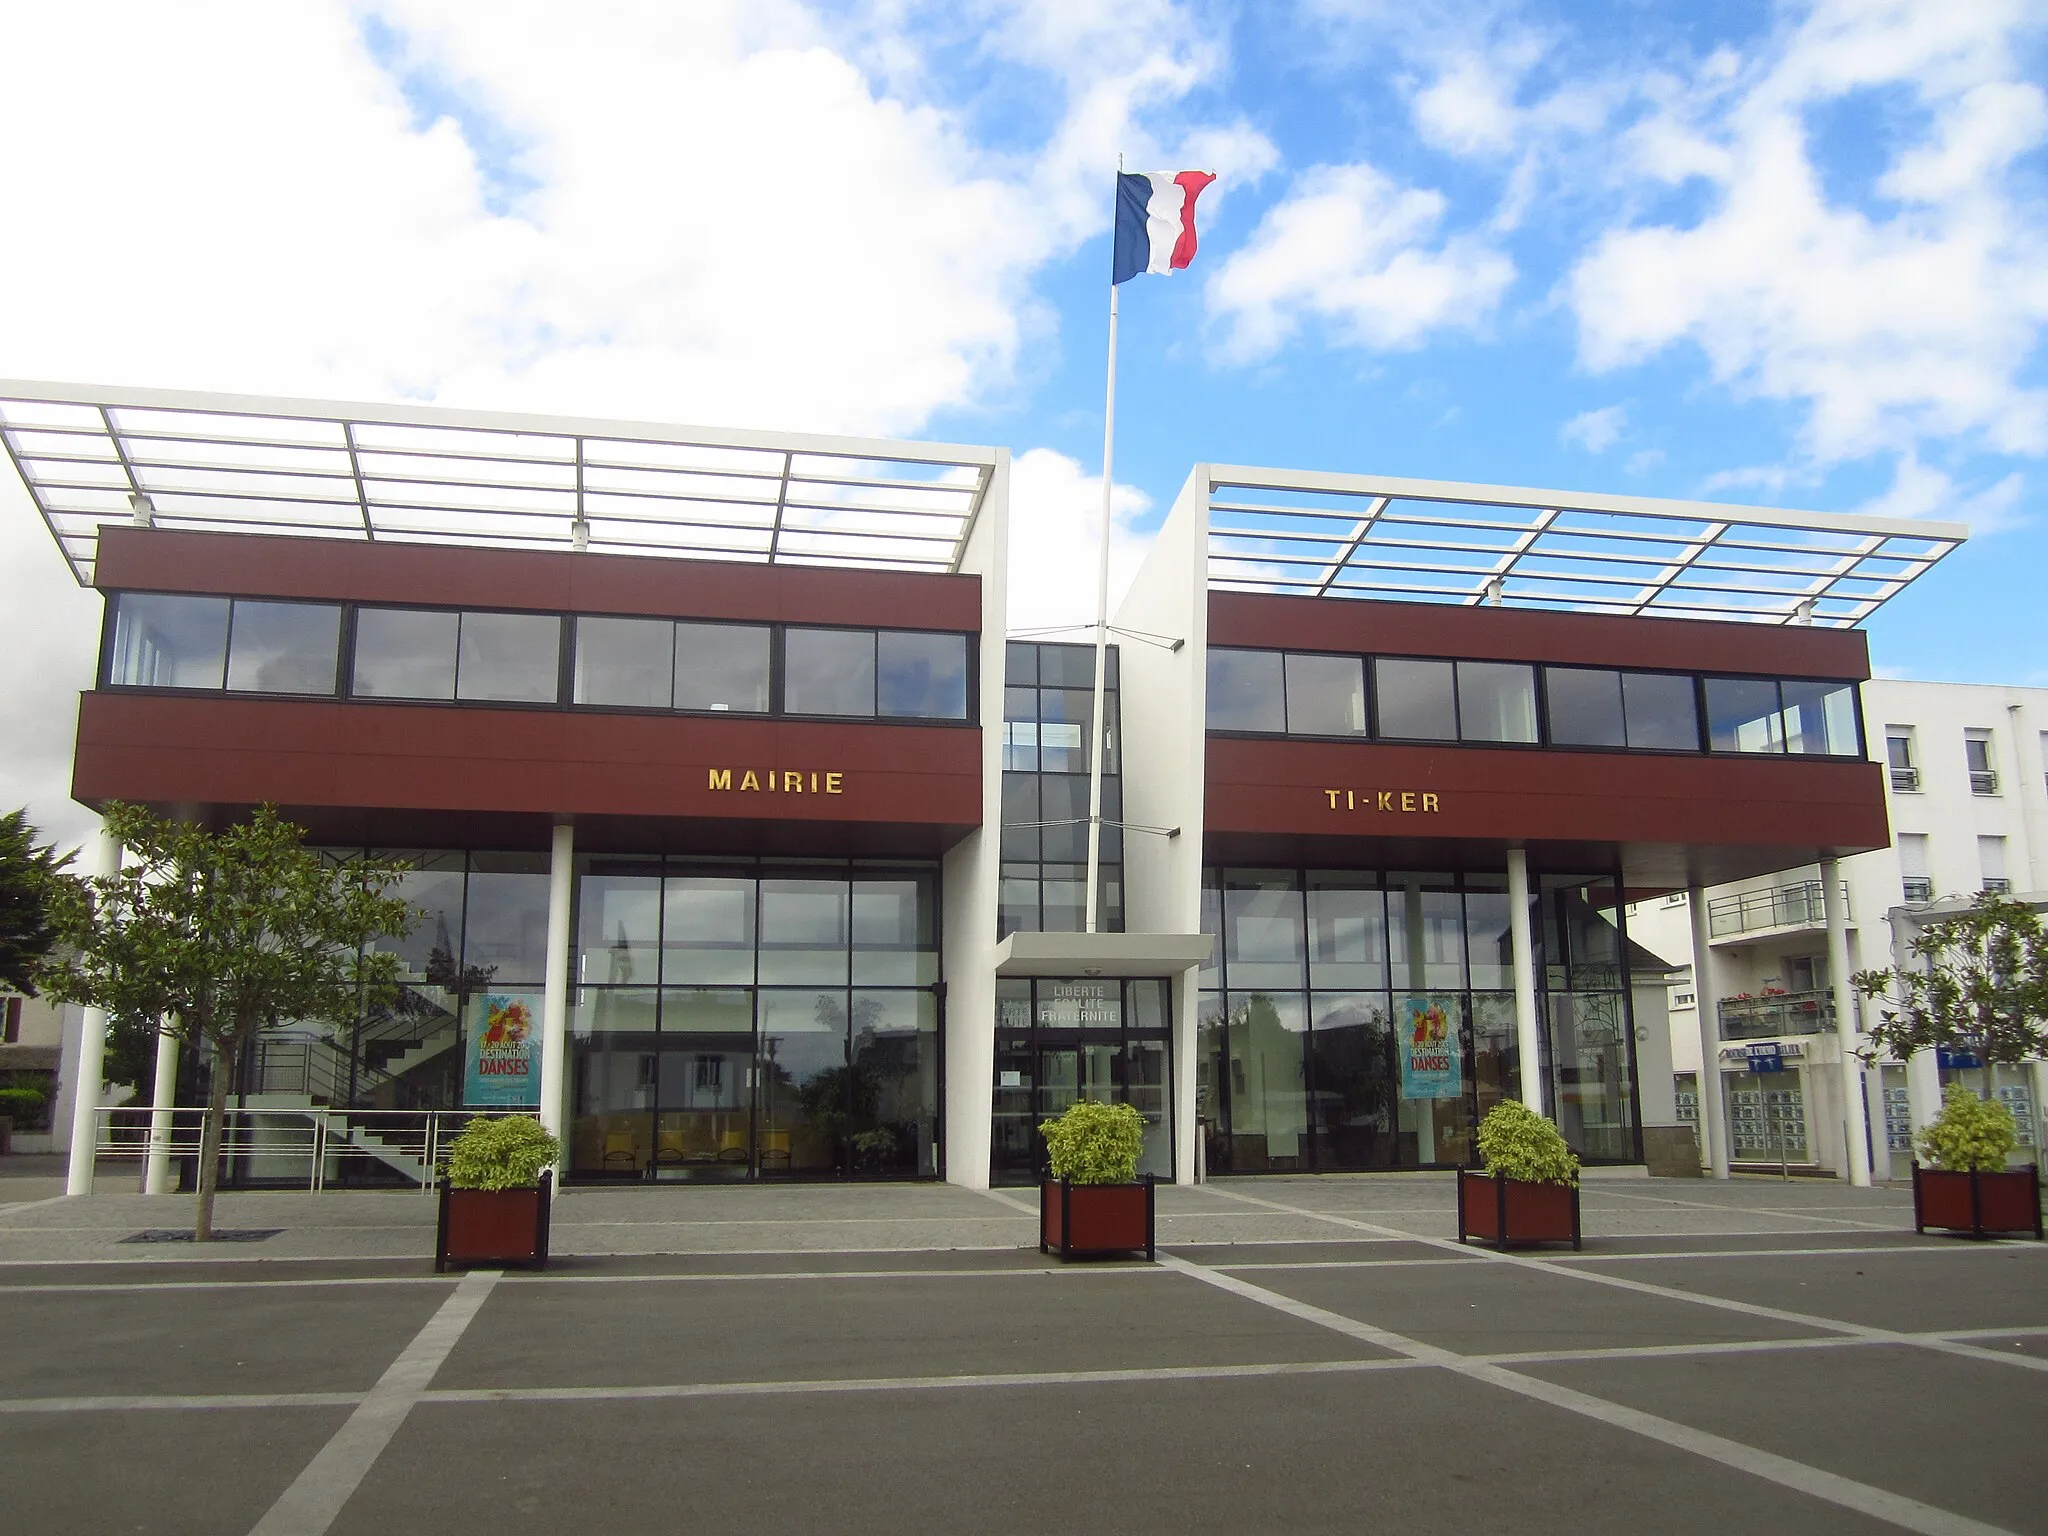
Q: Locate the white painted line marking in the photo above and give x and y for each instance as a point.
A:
(316, 1496)
(1879, 1503)
(118, 1404)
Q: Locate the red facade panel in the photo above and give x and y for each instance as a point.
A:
(1268, 621)
(236, 751)
(1347, 789)
(347, 570)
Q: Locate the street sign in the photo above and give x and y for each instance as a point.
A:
(1766, 1058)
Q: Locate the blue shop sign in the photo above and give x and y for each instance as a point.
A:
(1766, 1058)
(1956, 1061)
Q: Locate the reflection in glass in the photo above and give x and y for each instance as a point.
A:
(895, 1084)
(1584, 707)
(404, 653)
(702, 1126)
(1663, 713)
(1351, 1051)
(1064, 715)
(1489, 943)
(1425, 933)
(1496, 701)
(1415, 700)
(803, 931)
(828, 671)
(1264, 941)
(1595, 1104)
(921, 675)
(892, 931)
(1269, 1124)
(1743, 715)
(1347, 927)
(1819, 717)
(1325, 696)
(611, 1130)
(1148, 1089)
(722, 667)
(168, 642)
(803, 1104)
(618, 923)
(284, 647)
(1495, 1050)
(1435, 1112)
(513, 658)
(707, 929)
(1246, 691)
(431, 948)
(505, 937)
(624, 662)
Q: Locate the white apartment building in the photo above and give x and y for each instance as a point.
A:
(1967, 795)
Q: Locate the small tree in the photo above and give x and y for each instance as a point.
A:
(31, 875)
(217, 936)
(1981, 986)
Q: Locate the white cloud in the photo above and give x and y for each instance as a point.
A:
(1892, 320)
(1055, 532)
(1596, 431)
(1921, 490)
(1356, 258)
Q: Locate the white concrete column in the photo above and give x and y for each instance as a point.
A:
(1835, 904)
(1522, 945)
(90, 1061)
(1880, 1132)
(156, 1176)
(554, 1009)
(1184, 995)
(1923, 1090)
(1713, 1118)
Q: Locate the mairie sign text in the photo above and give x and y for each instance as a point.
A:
(779, 781)
(1395, 800)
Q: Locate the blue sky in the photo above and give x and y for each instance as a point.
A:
(1790, 254)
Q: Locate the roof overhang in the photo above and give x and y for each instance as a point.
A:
(1101, 954)
(89, 455)
(1373, 536)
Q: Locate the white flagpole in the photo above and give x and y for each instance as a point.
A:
(1095, 748)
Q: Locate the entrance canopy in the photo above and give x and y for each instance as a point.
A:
(90, 455)
(1373, 536)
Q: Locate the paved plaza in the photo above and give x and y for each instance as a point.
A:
(1311, 1354)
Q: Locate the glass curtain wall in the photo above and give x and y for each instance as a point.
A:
(1048, 699)
(1365, 1019)
(1059, 1039)
(747, 1019)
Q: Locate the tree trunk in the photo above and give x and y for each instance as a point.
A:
(225, 1056)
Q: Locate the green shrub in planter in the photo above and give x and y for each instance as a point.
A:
(505, 1152)
(1095, 1143)
(1970, 1135)
(1517, 1143)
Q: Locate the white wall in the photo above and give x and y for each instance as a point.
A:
(971, 867)
(1164, 706)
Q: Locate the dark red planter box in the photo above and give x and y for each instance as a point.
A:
(1505, 1211)
(1077, 1220)
(491, 1227)
(1978, 1203)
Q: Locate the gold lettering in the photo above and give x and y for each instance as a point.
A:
(814, 783)
(832, 783)
(1430, 803)
(1386, 800)
(748, 781)
(1350, 799)
(721, 778)
(1407, 799)
(1333, 798)
(793, 783)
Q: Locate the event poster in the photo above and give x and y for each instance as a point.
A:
(501, 1052)
(1432, 1056)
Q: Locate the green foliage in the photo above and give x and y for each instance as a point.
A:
(500, 1152)
(217, 936)
(1517, 1143)
(1970, 1134)
(1095, 1143)
(1981, 986)
(31, 874)
(24, 1106)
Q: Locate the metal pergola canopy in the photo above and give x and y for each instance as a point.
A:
(403, 474)
(1368, 536)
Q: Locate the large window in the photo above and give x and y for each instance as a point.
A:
(248, 645)
(1300, 693)
(1048, 702)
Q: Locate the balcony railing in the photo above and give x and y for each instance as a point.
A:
(1998, 885)
(1983, 782)
(1776, 1013)
(1906, 780)
(1919, 889)
(1782, 906)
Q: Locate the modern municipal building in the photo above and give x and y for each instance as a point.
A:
(748, 845)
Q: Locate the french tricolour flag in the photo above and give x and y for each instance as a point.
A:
(1155, 221)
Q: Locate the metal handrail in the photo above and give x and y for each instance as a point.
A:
(1776, 1013)
(1782, 906)
(321, 1135)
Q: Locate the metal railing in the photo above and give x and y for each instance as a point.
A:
(312, 1147)
(1776, 1013)
(1906, 780)
(1998, 885)
(1983, 782)
(1782, 906)
(1919, 889)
